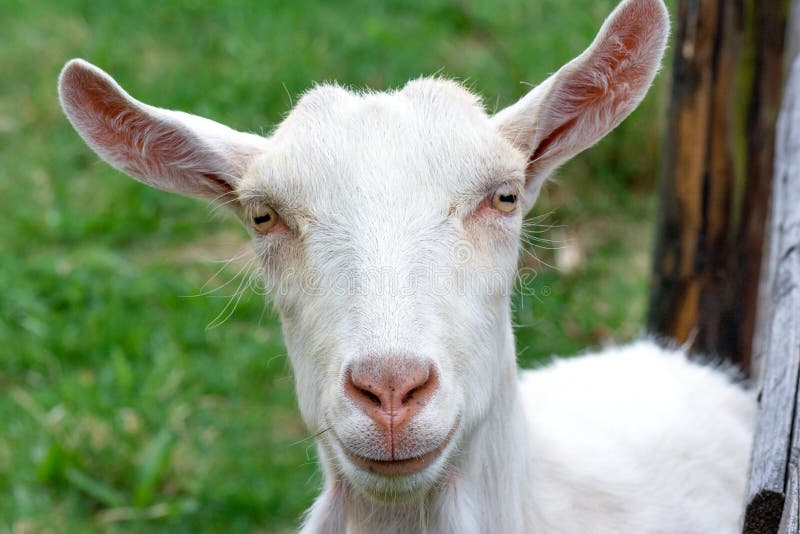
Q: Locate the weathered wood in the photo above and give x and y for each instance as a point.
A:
(714, 206)
(777, 439)
(790, 521)
(793, 31)
(690, 272)
(769, 24)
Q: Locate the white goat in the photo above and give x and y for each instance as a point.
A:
(388, 228)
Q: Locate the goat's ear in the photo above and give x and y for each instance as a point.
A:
(588, 97)
(170, 150)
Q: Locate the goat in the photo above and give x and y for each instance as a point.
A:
(387, 227)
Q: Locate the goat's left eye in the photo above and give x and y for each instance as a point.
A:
(504, 200)
(264, 218)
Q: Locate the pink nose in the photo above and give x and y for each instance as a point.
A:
(391, 390)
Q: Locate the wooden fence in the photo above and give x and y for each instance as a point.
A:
(773, 493)
(726, 274)
(726, 87)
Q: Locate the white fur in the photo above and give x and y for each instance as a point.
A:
(389, 244)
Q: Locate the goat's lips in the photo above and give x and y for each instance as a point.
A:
(400, 467)
(408, 466)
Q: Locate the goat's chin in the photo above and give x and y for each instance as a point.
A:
(389, 489)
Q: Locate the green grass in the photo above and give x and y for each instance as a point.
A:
(120, 411)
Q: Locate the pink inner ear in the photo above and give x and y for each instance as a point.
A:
(549, 140)
(603, 87)
(151, 149)
(623, 61)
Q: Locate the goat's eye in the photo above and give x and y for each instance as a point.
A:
(504, 200)
(264, 218)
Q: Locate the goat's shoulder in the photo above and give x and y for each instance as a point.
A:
(623, 429)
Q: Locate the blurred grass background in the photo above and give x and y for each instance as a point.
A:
(120, 411)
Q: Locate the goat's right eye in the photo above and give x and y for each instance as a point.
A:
(264, 218)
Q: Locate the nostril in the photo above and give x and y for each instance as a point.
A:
(410, 395)
(422, 388)
(360, 389)
(370, 396)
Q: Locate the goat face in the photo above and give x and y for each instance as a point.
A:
(390, 266)
(387, 227)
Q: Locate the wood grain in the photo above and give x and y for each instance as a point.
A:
(715, 193)
(776, 448)
(790, 522)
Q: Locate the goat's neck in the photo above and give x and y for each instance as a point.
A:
(486, 491)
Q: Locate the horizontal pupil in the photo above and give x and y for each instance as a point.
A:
(508, 198)
(262, 218)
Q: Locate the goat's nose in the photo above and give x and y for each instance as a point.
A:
(392, 390)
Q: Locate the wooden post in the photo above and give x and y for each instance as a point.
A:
(762, 116)
(708, 248)
(697, 175)
(773, 490)
(776, 446)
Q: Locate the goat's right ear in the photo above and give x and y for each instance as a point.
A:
(169, 150)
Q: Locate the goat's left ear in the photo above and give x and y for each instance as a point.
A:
(589, 96)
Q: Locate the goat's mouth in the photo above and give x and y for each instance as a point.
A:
(400, 467)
